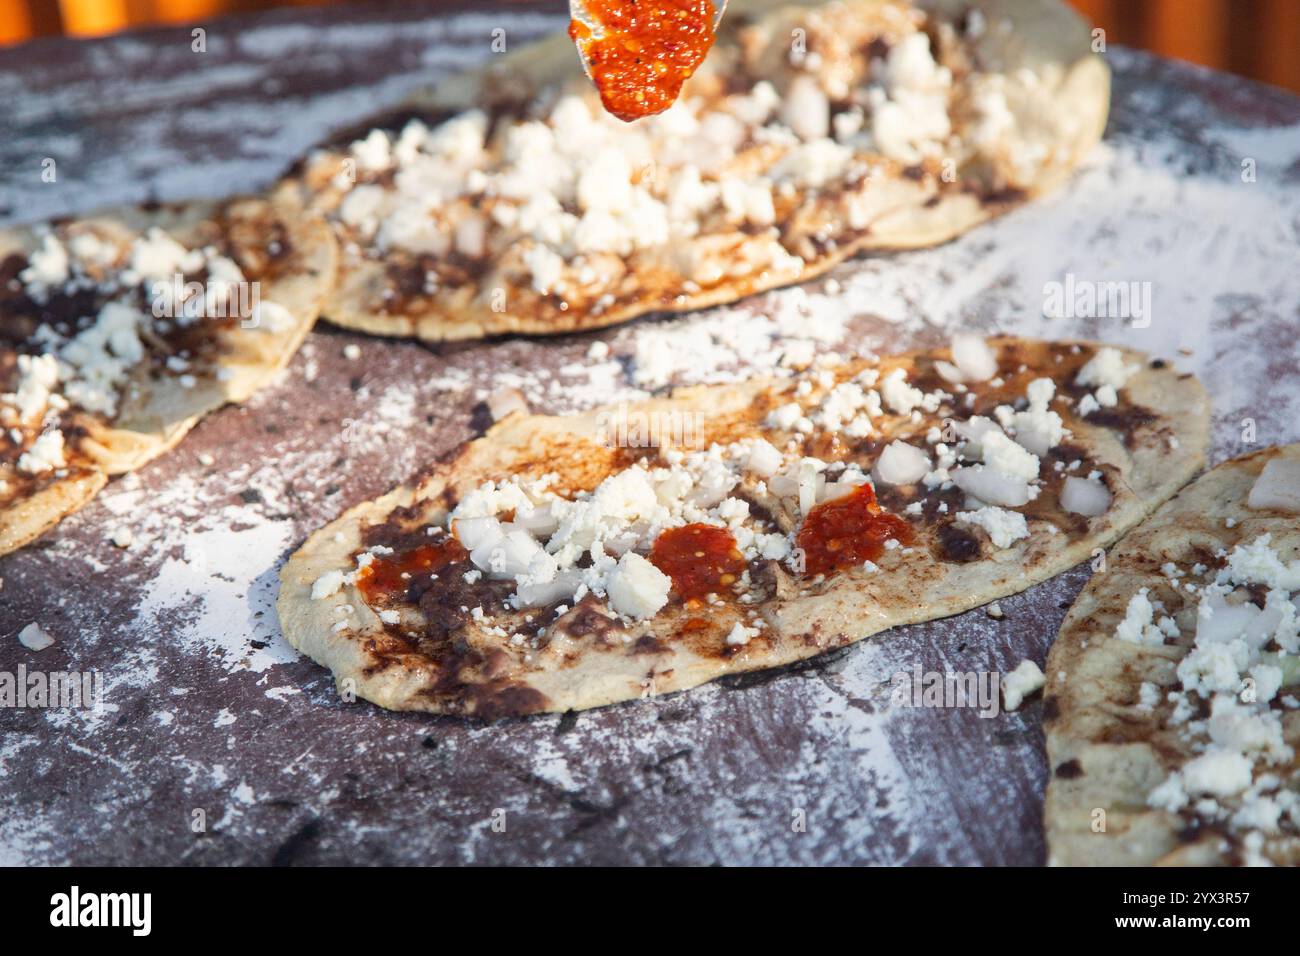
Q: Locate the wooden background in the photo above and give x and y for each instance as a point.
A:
(1255, 38)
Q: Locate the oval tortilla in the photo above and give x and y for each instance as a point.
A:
(155, 414)
(911, 586)
(30, 515)
(1061, 114)
(1104, 752)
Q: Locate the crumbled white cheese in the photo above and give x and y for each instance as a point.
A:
(546, 267)
(46, 454)
(897, 394)
(38, 375)
(328, 584)
(47, 268)
(764, 460)
(1219, 773)
(1148, 696)
(1038, 428)
(740, 635)
(1008, 458)
(1138, 626)
(1258, 563)
(909, 110)
(813, 165)
(1020, 683)
(1107, 367)
(1004, 528)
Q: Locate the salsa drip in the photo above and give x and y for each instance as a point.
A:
(382, 577)
(701, 559)
(848, 530)
(644, 51)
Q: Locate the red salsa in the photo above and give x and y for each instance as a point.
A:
(848, 530)
(699, 558)
(382, 577)
(645, 51)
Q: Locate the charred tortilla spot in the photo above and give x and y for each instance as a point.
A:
(465, 684)
(497, 662)
(589, 620)
(1194, 830)
(497, 702)
(1127, 420)
(1000, 197)
(447, 600)
(649, 644)
(397, 532)
(1051, 709)
(957, 544)
(1070, 770)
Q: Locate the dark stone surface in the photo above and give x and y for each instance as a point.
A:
(208, 710)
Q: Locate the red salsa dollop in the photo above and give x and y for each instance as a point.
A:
(383, 577)
(699, 558)
(848, 530)
(645, 51)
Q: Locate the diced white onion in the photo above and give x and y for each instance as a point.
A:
(475, 532)
(1033, 440)
(901, 464)
(1278, 486)
(507, 557)
(505, 401)
(973, 357)
(563, 585)
(712, 488)
(992, 487)
(949, 372)
(620, 544)
(1082, 496)
(784, 485)
(1224, 622)
(540, 521)
(836, 489)
(974, 429)
(764, 460)
(810, 484)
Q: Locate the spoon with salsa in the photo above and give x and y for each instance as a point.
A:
(640, 52)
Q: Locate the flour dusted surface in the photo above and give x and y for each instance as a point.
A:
(182, 623)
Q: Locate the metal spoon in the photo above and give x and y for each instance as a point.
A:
(578, 11)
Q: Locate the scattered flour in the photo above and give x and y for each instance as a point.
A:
(1219, 255)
